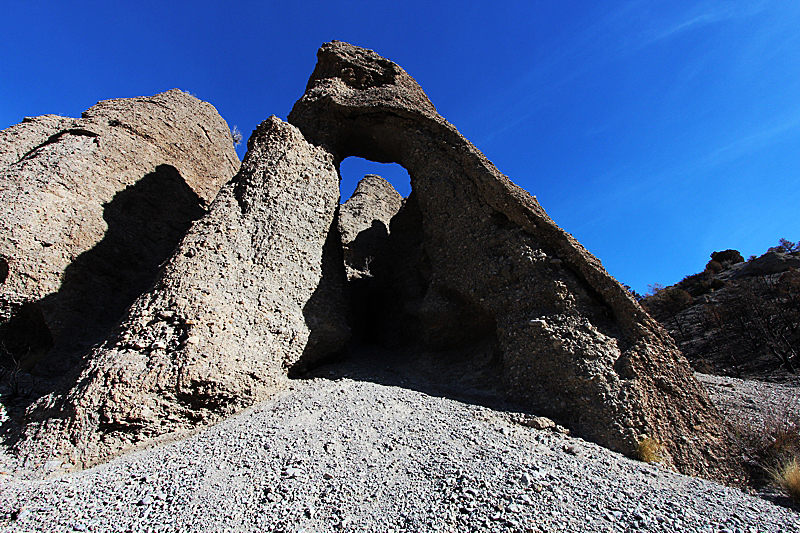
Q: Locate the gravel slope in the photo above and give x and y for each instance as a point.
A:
(751, 402)
(343, 454)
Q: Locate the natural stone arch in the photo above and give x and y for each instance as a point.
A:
(473, 250)
(574, 343)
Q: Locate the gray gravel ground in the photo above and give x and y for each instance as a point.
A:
(749, 402)
(343, 454)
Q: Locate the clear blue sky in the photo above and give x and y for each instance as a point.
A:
(656, 132)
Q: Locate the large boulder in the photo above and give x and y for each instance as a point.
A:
(89, 209)
(253, 292)
(482, 266)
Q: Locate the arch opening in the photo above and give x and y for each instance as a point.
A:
(400, 317)
(353, 169)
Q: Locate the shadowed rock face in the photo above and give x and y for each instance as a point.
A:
(90, 208)
(482, 256)
(364, 227)
(254, 290)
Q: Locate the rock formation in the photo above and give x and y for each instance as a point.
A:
(737, 317)
(89, 209)
(486, 266)
(472, 266)
(253, 291)
(364, 223)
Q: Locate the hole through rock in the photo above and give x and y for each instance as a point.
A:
(353, 169)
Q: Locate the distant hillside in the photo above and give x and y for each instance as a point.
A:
(738, 318)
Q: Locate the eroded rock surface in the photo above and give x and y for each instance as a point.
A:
(478, 264)
(89, 209)
(364, 223)
(253, 291)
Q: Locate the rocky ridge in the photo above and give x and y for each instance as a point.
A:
(737, 318)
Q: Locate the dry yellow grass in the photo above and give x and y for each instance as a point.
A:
(788, 477)
(649, 450)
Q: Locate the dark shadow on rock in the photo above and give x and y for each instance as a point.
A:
(146, 221)
(326, 312)
(368, 244)
(24, 336)
(406, 330)
(368, 291)
(3, 269)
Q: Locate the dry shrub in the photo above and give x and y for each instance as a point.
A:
(649, 450)
(788, 478)
(772, 443)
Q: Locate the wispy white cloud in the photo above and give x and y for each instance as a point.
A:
(707, 13)
(763, 137)
(694, 23)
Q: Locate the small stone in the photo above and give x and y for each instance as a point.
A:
(540, 422)
(147, 500)
(23, 514)
(292, 472)
(570, 449)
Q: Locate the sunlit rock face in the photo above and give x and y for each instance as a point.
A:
(253, 290)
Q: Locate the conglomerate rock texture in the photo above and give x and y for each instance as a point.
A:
(253, 291)
(89, 209)
(485, 268)
(474, 273)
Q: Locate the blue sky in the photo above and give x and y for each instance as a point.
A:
(656, 132)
